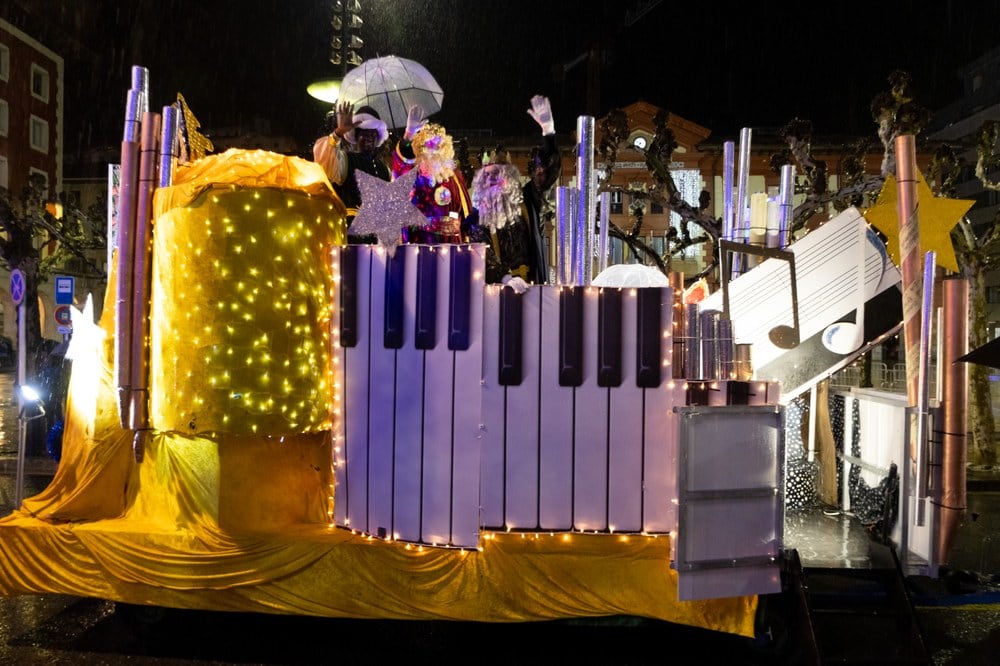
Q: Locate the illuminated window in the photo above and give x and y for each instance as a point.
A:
(4, 117)
(4, 62)
(39, 83)
(39, 134)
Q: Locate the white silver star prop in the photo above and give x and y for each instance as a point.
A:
(386, 208)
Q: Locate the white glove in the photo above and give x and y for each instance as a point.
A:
(517, 284)
(414, 121)
(541, 111)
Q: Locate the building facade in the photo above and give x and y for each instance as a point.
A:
(31, 111)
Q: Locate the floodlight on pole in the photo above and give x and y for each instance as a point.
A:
(345, 44)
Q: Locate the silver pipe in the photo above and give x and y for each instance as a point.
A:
(140, 83)
(742, 176)
(785, 194)
(692, 342)
(583, 247)
(920, 481)
(602, 248)
(728, 165)
(565, 203)
(168, 145)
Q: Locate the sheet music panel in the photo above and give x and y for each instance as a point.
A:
(409, 345)
(579, 430)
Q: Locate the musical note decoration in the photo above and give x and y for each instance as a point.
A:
(937, 216)
(783, 335)
(386, 208)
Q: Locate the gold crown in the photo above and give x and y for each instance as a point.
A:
(495, 156)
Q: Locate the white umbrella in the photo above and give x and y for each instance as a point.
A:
(391, 85)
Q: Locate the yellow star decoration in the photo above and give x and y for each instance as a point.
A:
(935, 215)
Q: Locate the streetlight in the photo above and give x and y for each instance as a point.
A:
(31, 407)
(345, 23)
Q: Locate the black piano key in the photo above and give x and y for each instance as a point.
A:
(349, 296)
(394, 265)
(737, 393)
(571, 336)
(648, 336)
(510, 363)
(424, 328)
(460, 300)
(609, 337)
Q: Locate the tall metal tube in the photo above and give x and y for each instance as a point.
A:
(740, 232)
(127, 202)
(728, 167)
(785, 194)
(142, 272)
(923, 382)
(602, 245)
(583, 247)
(565, 217)
(955, 401)
(910, 260)
(168, 146)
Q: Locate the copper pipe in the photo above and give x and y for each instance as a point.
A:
(125, 220)
(910, 259)
(142, 274)
(954, 403)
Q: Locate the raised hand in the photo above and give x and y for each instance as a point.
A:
(414, 121)
(345, 118)
(541, 111)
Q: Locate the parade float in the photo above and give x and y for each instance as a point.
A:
(267, 419)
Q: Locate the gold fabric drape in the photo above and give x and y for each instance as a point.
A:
(226, 518)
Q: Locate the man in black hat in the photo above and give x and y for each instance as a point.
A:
(353, 145)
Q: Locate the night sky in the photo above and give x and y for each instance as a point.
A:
(757, 66)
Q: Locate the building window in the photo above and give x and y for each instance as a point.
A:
(39, 134)
(39, 83)
(4, 178)
(616, 202)
(45, 179)
(4, 118)
(993, 294)
(4, 62)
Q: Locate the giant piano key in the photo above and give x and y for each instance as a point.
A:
(459, 298)
(649, 329)
(571, 336)
(609, 337)
(348, 310)
(510, 368)
(424, 327)
(394, 268)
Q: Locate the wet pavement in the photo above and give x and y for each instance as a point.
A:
(958, 612)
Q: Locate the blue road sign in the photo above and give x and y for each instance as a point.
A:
(64, 289)
(17, 286)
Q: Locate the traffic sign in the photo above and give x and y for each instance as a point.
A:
(63, 316)
(17, 286)
(65, 286)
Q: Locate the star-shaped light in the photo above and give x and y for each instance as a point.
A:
(386, 208)
(935, 216)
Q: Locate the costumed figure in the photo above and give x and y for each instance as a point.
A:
(499, 219)
(544, 170)
(352, 146)
(439, 191)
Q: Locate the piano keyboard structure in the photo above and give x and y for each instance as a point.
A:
(468, 407)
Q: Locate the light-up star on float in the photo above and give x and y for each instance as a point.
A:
(935, 216)
(386, 208)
